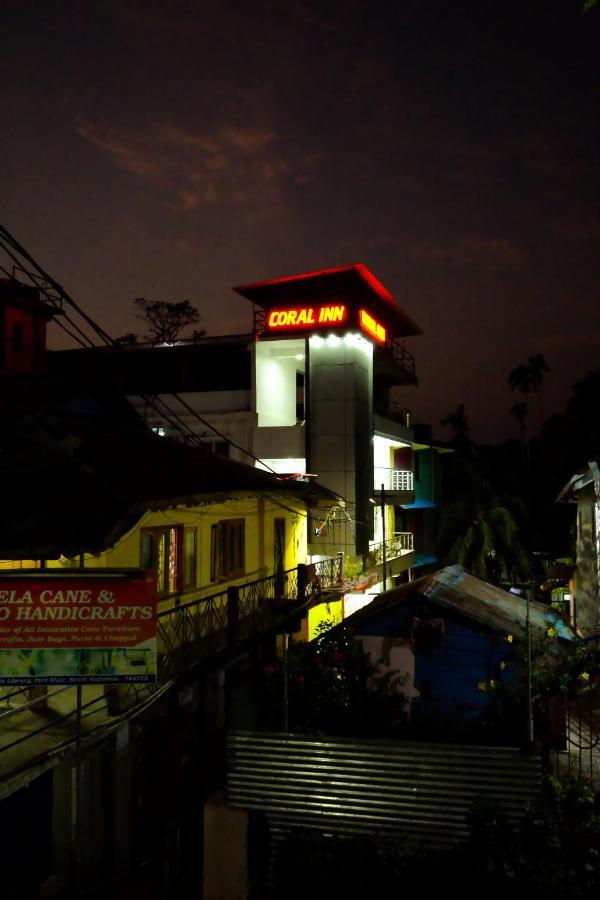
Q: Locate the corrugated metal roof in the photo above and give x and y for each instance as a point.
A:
(578, 481)
(455, 589)
(356, 786)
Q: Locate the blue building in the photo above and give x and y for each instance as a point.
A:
(453, 640)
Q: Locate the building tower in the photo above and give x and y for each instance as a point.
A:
(23, 320)
(328, 349)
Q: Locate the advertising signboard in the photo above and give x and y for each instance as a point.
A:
(329, 316)
(77, 630)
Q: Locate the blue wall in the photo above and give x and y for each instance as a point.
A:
(448, 670)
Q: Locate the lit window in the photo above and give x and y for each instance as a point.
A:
(171, 553)
(159, 430)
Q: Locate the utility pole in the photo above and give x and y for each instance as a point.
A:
(529, 674)
(383, 534)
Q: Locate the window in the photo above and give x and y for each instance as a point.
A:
(171, 553)
(227, 549)
(189, 558)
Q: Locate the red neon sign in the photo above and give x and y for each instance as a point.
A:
(307, 316)
(372, 327)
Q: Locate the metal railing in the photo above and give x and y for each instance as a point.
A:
(393, 479)
(223, 617)
(402, 542)
(401, 356)
(186, 633)
(569, 728)
(330, 572)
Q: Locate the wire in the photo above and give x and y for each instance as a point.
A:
(220, 434)
(176, 422)
(166, 412)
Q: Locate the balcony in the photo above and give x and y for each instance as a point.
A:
(399, 545)
(394, 363)
(398, 484)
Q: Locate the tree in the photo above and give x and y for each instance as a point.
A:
(520, 411)
(457, 420)
(129, 338)
(480, 530)
(166, 320)
(528, 378)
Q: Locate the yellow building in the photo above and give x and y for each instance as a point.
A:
(197, 544)
(127, 498)
(199, 549)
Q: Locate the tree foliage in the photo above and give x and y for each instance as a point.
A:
(520, 411)
(332, 689)
(165, 320)
(481, 530)
(528, 376)
(458, 422)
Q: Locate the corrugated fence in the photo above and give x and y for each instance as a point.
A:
(347, 786)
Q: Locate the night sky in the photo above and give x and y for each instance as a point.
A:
(173, 149)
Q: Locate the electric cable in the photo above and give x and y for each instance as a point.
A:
(170, 415)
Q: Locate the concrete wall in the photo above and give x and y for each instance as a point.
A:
(587, 596)
(275, 373)
(340, 423)
(259, 515)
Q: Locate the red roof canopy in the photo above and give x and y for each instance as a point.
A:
(353, 283)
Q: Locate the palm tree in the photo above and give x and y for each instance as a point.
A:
(457, 420)
(520, 411)
(528, 378)
(480, 531)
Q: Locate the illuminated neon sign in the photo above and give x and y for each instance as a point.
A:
(307, 316)
(372, 327)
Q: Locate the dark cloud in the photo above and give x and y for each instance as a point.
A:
(171, 150)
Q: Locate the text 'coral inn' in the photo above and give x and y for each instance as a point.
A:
(311, 392)
(316, 391)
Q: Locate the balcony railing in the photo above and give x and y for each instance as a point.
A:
(186, 634)
(402, 542)
(401, 355)
(393, 479)
(222, 618)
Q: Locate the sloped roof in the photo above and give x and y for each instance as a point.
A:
(455, 589)
(579, 480)
(74, 483)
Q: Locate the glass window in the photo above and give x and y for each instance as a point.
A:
(228, 550)
(162, 549)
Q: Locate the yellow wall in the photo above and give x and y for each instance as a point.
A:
(259, 515)
(331, 612)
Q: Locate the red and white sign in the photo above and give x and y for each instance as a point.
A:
(80, 629)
